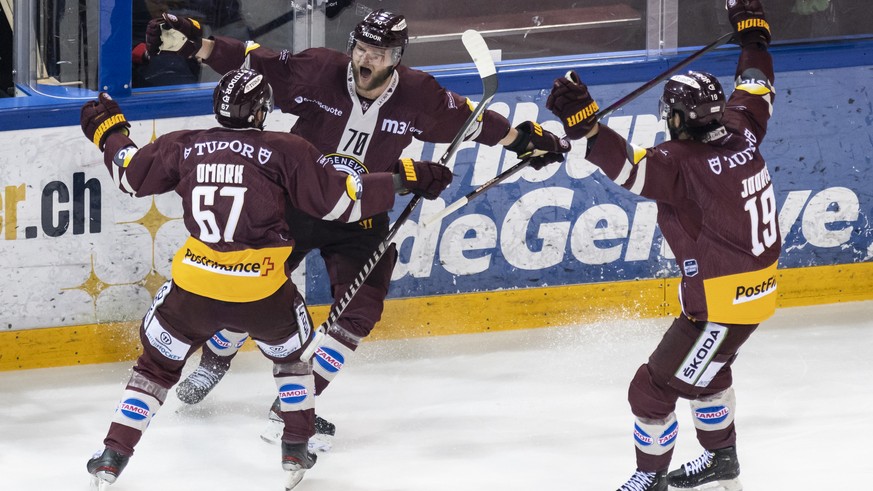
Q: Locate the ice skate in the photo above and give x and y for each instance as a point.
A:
(322, 441)
(105, 467)
(296, 460)
(646, 481)
(716, 471)
(199, 383)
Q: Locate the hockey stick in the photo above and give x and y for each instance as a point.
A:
(478, 50)
(602, 114)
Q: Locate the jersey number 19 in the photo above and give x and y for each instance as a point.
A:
(763, 220)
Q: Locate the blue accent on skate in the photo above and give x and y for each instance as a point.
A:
(134, 409)
(329, 359)
(292, 393)
(712, 415)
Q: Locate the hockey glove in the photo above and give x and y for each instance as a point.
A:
(426, 179)
(139, 55)
(180, 35)
(573, 105)
(749, 22)
(101, 118)
(538, 145)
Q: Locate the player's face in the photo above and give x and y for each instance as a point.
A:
(371, 66)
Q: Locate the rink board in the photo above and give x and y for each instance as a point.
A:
(455, 314)
(558, 246)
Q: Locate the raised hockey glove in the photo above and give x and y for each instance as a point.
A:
(538, 145)
(101, 118)
(426, 179)
(749, 22)
(573, 105)
(180, 35)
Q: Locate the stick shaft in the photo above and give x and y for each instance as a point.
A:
(600, 115)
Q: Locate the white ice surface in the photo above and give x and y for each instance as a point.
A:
(541, 409)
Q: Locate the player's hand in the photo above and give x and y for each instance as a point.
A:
(540, 146)
(749, 21)
(426, 179)
(101, 118)
(180, 35)
(573, 105)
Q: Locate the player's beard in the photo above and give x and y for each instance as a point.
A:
(375, 80)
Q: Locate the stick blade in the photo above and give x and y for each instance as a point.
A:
(479, 52)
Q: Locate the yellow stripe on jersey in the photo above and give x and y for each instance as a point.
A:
(636, 152)
(754, 89)
(239, 276)
(745, 298)
(251, 47)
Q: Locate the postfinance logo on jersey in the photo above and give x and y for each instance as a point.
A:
(235, 276)
(746, 298)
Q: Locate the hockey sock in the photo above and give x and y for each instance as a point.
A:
(296, 400)
(223, 346)
(654, 441)
(714, 419)
(336, 348)
(139, 403)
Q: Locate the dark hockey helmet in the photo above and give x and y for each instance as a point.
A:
(383, 29)
(242, 99)
(696, 95)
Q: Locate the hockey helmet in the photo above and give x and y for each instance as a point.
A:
(242, 99)
(696, 95)
(383, 29)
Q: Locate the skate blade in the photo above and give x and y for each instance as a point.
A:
(272, 434)
(98, 484)
(293, 478)
(723, 485)
(320, 443)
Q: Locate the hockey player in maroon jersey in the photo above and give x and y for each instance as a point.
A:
(366, 107)
(234, 181)
(717, 211)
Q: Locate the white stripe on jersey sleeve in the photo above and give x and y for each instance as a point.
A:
(356, 212)
(640, 180)
(339, 208)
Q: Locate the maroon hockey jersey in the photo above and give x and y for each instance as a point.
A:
(317, 85)
(716, 204)
(234, 186)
